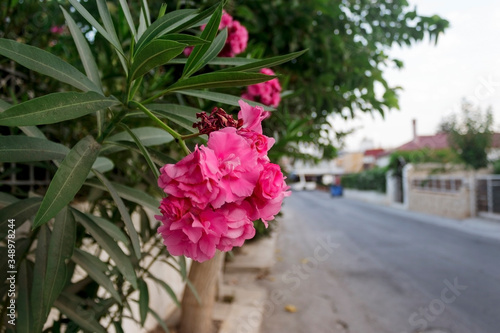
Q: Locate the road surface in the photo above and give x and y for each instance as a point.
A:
(347, 266)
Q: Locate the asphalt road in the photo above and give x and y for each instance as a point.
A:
(347, 266)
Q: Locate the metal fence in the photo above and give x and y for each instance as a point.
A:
(448, 184)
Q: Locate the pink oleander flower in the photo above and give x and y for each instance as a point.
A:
(196, 177)
(57, 30)
(238, 166)
(268, 93)
(252, 116)
(216, 191)
(237, 40)
(269, 193)
(237, 37)
(190, 231)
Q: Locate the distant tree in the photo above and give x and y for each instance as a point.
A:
(470, 136)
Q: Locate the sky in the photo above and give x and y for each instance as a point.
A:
(435, 78)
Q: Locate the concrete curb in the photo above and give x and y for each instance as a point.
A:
(245, 312)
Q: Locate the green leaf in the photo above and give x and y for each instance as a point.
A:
(73, 307)
(123, 212)
(62, 243)
(102, 164)
(82, 46)
(265, 63)
(93, 22)
(197, 20)
(149, 136)
(184, 39)
(38, 307)
(145, 8)
(128, 17)
(159, 320)
(45, 63)
(167, 288)
(156, 53)
(93, 266)
(68, 179)
(143, 300)
(236, 61)
(208, 34)
(183, 267)
(20, 211)
(222, 98)
(110, 228)
(54, 108)
(144, 152)
(184, 116)
(20, 148)
(24, 315)
(122, 261)
(32, 131)
(214, 49)
(158, 157)
(130, 194)
(219, 80)
(167, 23)
(7, 199)
(118, 327)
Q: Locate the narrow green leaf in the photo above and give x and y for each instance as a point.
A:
(219, 80)
(93, 22)
(24, 315)
(38, 307)
(236, 61)
(208, 34)
(102, 164)
(68, 179)
(184, 39)
(7, 199)
(45, 63)
(134, 237)
(159, 320)
(122, 261)
(72, 306)
(110, 228)
(32, 131)
(102, 7)
(158, 157)
(93, 266)
(183, 267)
(193, 290)
(265, 63)
(129, 193)
(128, 17)
(167, 288)
(214, 49)
(144, 152)
(149, 136)
(83, 48)
(197, 20)
(221, 98)
(118, 327)
(20, 211)
(54, 108)
(143, 300)
(145, 8)
(20, 148)
(167, 23)
(184, 116)
(142, 25)
(62, 243)
(156, 53)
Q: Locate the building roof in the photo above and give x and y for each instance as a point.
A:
(437, 141)
(374, 152)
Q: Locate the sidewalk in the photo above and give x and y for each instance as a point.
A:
(476, 225)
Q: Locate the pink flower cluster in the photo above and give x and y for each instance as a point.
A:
(57, 30)
(216, 192)
(268, 93)
(237, 37)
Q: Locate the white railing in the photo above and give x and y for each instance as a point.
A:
(447, 184)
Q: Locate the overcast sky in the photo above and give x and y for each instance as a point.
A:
(464, 63)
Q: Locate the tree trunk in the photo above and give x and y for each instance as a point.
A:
(197, 317)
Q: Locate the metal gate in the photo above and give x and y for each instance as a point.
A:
(488, 194)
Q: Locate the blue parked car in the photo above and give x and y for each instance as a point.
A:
(336, 190)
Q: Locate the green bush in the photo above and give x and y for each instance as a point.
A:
(370, 180)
